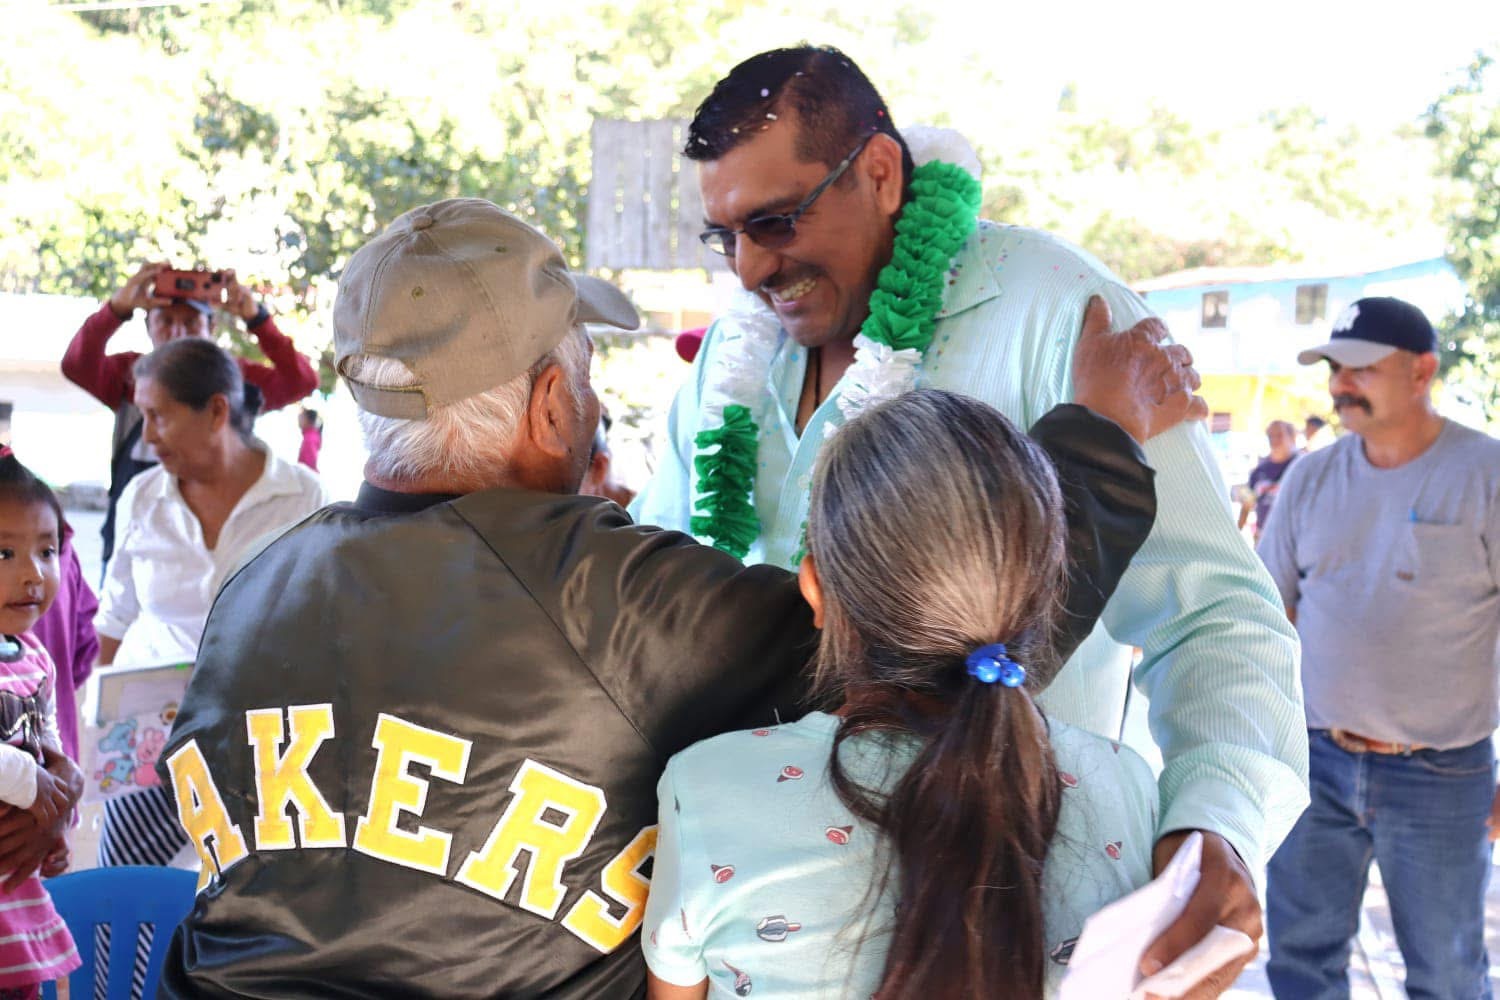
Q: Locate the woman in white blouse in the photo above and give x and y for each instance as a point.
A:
(185, 524)
(215, 500)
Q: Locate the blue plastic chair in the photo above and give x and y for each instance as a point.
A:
(121, 898)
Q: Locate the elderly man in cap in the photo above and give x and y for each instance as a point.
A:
(419, 752)
(1386, 549)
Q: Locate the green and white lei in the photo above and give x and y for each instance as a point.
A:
(932, 228)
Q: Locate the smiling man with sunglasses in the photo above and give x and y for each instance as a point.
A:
(804, 177)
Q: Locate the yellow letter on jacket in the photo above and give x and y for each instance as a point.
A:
(200, 809)
(394, 791)
(538, 789)
(282, 780)
(590, 918)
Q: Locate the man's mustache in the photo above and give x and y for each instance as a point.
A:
(1344, 399)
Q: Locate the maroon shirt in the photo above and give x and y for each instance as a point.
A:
(108, 377)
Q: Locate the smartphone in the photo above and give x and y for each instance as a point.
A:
(205, 285)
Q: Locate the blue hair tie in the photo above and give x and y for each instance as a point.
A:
(992, 663)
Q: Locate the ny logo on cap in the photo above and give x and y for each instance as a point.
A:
(1346, 318)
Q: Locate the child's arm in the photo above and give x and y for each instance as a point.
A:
(47, 707)
(53, 798)
(57, 860)
(59, 783)
(18, 777)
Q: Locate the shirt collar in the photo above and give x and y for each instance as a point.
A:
(379, 501)
(971, 274)
(277, 478)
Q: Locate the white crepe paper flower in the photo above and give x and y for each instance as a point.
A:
(928, 143)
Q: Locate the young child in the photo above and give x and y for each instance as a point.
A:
(35, 946)
(936, 836)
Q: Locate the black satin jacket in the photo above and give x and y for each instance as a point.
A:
(472, 698)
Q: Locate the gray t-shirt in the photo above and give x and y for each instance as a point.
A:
(1393, 574)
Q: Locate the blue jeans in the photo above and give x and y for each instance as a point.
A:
(1422, 817)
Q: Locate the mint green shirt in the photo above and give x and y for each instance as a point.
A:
(1220, 659)
(762, 876)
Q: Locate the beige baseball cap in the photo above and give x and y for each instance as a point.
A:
(468, 297)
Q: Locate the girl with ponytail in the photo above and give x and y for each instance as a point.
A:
(936, 836)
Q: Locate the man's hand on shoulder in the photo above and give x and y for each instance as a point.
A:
(138, 292)
(1225, 895)
(1132, 377)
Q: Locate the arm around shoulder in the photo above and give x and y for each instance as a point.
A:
(1110, 502)
(713, 645)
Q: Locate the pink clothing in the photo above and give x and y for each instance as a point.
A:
(312, 443)
(35, 946)
(67, 630)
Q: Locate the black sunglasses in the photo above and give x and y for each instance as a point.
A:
(776, 231)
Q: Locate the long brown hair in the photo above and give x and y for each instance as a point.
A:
(936, 527)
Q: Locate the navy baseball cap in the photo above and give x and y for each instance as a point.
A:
(197, 304)
(1372, 329)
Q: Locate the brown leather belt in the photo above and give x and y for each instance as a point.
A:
(1355, 743)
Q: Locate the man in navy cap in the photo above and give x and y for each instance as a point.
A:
(1386, 549)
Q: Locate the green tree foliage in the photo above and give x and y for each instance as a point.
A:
(1465, 125)
(276, 137)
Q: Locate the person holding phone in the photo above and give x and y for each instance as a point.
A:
(189, 313)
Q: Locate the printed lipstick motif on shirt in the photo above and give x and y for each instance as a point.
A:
(1113, 849)
(775, 928)
(722, 873)
(758, 732)
(789, 773)
(838, 834)
(742, 984)
(1067, 779)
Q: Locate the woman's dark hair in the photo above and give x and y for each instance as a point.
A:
(936, 527)
(834, 103)
(20, 484)
(194, 370)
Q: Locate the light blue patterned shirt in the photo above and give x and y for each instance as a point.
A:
(1220, 659)
(762, 876)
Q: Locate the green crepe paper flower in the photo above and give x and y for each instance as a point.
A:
(726, 477)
